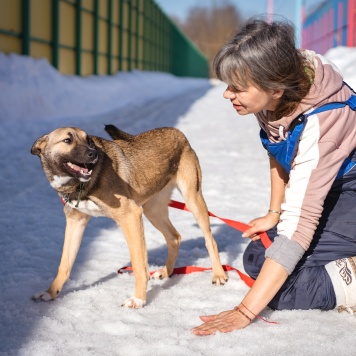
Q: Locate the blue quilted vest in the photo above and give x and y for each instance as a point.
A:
(284, 152)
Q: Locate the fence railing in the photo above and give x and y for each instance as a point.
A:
(99, 36)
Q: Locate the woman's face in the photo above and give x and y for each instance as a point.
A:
(252, 99)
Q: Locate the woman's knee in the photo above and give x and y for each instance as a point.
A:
(254, 255)
(253, 258)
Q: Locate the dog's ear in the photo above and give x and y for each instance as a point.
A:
(39, 145)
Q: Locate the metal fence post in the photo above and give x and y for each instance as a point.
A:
(78, 40)
(137, 49)
(26, 13)
(129, 35)
(110, 24)
(121, 35)
(55, 33)
(96, 37)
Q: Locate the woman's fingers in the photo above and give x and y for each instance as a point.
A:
(205, 329)
(207, 318)
(255, 237)
(224, 322)
(260, 225)
(209, 328)
(251, 232)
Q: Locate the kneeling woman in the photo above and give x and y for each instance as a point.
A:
(308, 126)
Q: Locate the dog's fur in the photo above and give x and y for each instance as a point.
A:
(120, 179)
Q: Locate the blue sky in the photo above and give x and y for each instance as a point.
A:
(247, 8)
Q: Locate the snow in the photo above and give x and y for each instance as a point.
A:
(87, 317)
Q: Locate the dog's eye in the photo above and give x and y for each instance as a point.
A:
(67, 140)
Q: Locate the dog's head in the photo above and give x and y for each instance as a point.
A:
(67, 155)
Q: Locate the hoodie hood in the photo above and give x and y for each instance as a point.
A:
(327, 81)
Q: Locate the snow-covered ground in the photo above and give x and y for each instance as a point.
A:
(87, 318)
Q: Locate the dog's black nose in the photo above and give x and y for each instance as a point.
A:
(91, 153)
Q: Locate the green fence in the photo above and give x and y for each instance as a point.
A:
(99, 36)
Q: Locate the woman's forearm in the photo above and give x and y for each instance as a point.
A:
(279, 179)
(272, 275)
(266, 286)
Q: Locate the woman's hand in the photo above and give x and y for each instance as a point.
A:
(224, 322)
(267, 284)
(261, 224)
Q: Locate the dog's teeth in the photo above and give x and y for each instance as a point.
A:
(81, 170)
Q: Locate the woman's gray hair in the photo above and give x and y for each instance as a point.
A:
(264, 54)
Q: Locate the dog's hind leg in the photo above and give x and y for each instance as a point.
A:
(156, 211)
(76, 223)
(189, 184)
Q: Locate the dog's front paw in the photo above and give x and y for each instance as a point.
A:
(42, 296)
(220, 279)
(134, 302)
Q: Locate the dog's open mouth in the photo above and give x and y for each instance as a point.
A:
(83, 172)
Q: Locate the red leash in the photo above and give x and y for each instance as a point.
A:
(190, 269)
(234, 224)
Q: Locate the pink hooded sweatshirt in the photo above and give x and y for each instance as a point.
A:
(327, 140)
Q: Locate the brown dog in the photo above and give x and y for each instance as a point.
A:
(120, 179)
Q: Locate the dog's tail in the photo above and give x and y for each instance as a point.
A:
(117, 134)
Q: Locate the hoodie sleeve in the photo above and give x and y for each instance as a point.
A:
(327, 140)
